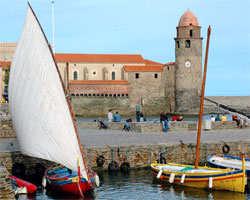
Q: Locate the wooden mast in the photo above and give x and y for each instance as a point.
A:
(66, 95)
(201, 103)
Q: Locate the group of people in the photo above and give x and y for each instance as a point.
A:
(217, 118)
(113, 117)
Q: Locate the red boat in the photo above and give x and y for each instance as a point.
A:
(62, 179)
(31, 188)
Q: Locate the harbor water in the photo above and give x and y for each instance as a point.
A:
(140, 184)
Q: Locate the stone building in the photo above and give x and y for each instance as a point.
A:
(98, 82)
(7, 50)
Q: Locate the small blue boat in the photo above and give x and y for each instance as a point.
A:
(232, 162)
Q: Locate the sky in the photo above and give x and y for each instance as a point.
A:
(146, 27)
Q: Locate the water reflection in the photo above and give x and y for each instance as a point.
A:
(140, 184)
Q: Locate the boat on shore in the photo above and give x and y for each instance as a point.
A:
(196, 176)
(41, 112)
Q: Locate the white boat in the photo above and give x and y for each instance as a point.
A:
(41, 111)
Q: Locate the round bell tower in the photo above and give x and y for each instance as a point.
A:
(188, 58)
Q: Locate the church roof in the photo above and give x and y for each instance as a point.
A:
(5, 64)
(99, 58)
(145, 68)
(188, 18)
(98, 82)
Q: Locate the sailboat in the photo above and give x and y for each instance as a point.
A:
(201, 177)
(42, 114)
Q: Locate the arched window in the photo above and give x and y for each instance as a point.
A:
(75, 75)
(113, 75)
(191, 33)
(188, 43)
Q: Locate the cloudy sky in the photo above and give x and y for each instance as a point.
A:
(145, 27)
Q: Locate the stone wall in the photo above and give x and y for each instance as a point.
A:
(6, 191)
(6, 128)
(151, 127)
(137, 156)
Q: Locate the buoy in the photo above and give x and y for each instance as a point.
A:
(113, 166)
(171, 178)
(210, 182)
(159, 174)
(97, 180)
(125, 167)
(44, 182)
(100, 160)
(225, 149)
(183, 178)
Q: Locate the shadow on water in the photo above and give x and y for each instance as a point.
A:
(140, 184)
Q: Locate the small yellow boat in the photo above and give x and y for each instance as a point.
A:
(203, 177)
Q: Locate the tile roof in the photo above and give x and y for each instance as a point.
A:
(98, 82)
(188, 18)
(170, 63)
(99, 58)
(140, 68)
(5, 64)
(150, 62)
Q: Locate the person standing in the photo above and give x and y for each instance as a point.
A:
(164, 121)
(110, 115)
(137, 110)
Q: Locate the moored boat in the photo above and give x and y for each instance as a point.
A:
(203, 177)
(64, 180)
(26, 187)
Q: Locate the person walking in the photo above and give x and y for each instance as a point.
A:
(137, 110)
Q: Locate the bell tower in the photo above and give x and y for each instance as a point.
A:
(188, 58)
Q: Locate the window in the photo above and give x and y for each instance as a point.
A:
(178, 44)
(94, 73)
(191, 33)
(156, 75)
(137, 75)
(75, 75)
(113, 75)
(188, 43)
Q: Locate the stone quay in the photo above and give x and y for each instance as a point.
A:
(139, 147)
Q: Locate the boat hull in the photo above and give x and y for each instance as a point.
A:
(58, 180)
(208, 178)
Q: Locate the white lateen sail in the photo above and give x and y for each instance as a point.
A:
(39, 110)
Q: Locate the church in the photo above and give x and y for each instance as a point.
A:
(99, 82)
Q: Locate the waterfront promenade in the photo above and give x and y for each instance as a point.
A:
(115, 138)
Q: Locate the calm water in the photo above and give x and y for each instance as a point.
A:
(139, 184)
